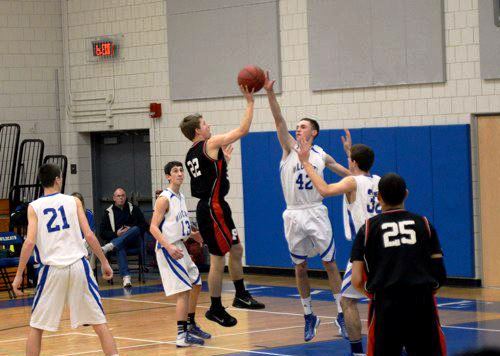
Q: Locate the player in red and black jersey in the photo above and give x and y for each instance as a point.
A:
(398, 262)
(207, 168)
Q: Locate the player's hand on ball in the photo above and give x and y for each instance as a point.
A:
(107, 271)
(268, 84)
(247, 94)
(16, 285)
(174, 251)
(195, 235)
(304, 148)
(347, 142)
(227, 150)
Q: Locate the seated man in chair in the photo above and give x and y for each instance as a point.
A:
(122, 227)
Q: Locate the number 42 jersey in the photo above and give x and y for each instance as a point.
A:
(297, 186)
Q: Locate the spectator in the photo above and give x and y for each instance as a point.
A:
(122, 227)
(88, 213)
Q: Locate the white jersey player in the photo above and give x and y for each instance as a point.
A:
(170, 226)
(308, 230)
(55, 225)
(359, 206)
(177, 275)
(360, 203)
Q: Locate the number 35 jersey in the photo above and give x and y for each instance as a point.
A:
(208, 176)
(59, 238)
(297, 186)
(176, 225)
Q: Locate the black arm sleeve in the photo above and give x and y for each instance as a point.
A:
(435, 246)
(438, 270)
(358, 248)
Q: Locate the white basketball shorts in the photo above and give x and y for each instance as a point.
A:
(348, 289)
(177, 275)
(308, 232)
(75, 285)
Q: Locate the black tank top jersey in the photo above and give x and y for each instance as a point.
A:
(396, 247)
(208, 176)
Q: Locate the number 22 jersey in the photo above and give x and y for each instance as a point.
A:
(208, 176)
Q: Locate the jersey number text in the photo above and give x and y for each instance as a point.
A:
(186, 228)
(304, 185)
(194, 167)
(373, 206)
(392, 229)
(51, 227)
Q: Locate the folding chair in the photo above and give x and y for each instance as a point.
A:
(8, 239)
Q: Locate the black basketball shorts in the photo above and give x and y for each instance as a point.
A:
(216, 226)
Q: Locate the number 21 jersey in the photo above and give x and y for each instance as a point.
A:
(297, 186)
(59, 238)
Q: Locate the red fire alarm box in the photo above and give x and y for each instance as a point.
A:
(155, 110)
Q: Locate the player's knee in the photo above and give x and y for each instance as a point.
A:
(301, 269)
(347, 303)
(329, 265)
(236, 251)
(217, 262)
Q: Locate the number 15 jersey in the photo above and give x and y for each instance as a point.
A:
(59, 238)
(297, 186)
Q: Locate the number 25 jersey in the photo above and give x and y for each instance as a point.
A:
(297, 186)
(59, 238)
(208, 176)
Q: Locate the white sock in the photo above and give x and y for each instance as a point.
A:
(108, 247)
(306, 303)
(337, 300)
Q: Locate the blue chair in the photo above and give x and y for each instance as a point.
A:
(8, 239)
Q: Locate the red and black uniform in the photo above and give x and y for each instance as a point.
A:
(396, 248)
(210, 184)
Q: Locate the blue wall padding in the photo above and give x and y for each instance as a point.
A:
(434, 160)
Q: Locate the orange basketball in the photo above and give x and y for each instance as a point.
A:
(252, 77)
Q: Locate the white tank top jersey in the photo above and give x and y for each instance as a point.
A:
(59, 240)
(298, 189)
(364, 207)
(175, 225)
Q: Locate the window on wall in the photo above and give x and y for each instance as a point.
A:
(367, 43)
(210, 41)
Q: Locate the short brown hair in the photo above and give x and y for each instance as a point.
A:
(363, 156)
(189, 125)
(314, 123)
(79, 196)
(47, 174)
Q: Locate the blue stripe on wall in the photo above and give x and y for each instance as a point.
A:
(434, 160)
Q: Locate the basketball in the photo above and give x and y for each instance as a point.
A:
(252, 77)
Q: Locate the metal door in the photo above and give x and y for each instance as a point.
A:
(121, 159)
